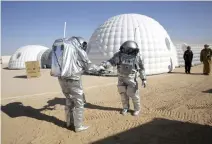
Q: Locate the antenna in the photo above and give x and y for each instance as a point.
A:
(64, 31)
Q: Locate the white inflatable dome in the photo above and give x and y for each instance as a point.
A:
(23, 54)
(155, 45)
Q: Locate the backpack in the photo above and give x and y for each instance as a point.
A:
(64, 58)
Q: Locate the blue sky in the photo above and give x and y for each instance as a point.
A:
(25, 23)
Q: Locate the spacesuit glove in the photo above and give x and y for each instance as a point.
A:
(144, 83)
(101, 69)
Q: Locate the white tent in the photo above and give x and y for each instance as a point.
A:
(155, 45)
(45, 58)
(23, 54)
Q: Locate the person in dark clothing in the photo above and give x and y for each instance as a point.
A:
(188, 56)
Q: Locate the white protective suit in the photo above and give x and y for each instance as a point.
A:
(128, 67)
(69, 61)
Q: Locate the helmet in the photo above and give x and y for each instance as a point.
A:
(129, 47)
(82, 42)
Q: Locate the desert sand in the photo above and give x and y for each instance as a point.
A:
(176, 109)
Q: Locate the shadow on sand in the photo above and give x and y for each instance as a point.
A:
(185, 73)
(61, 101)
(158, 131)
(6, 68)
(17, 109)
(21, 76)
(162, 131)
(207, 91)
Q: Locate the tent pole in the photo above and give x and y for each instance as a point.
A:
(64, 33)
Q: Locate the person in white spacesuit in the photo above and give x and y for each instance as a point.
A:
(129, 63)
(69, 61)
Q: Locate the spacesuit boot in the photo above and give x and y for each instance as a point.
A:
(136, 113)
(81, 128)
(78, 120)
(124, 111)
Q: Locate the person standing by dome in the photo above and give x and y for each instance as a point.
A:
(205, 58)
(188, 56)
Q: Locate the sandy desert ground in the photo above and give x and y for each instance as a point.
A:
(176, 109)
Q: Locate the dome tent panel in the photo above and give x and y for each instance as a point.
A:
(40, 56)
(23, 54)
(46, 59)
(156, 47)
